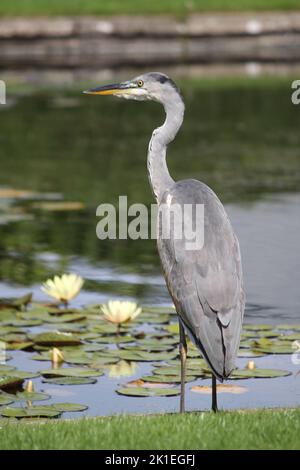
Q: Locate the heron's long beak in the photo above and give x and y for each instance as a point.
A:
(113, 89)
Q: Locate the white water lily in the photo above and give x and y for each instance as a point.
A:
(116, 311)
(63, 288)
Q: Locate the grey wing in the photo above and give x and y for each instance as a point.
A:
(206, 283)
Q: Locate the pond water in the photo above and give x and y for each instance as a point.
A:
(241, 139)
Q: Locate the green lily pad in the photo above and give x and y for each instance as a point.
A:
(250, 353)
(20, 346)
(69, 407)
(92, 347)
(7, 382)
(21, 374)
(16, 302)
(259, 327)
(70, 380)
(288, 327)
(158, 310)
(31, 396)
(6, 399)
(278, 347)
(71, 372)
(114, 339)
(6, 368)
(290, 337)
(14, 338)
(56, 339)
(149, 348)
(169, 371)
(169, 340)
(168, 379)
(258, 373)
(173, 328)
(152, 319)
(260, 334)
(32, 412)
(148, 392)
(69, 317)
(27, 322)
(138, 356)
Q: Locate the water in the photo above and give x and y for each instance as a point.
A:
(242, 140)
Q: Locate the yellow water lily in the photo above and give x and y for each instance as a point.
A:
(29, 387)
(56, 356)
(116, 311)
(122, 369)
(63, 288)
(251, 365)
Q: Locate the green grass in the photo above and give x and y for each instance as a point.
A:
(178, 7)
(256, 429)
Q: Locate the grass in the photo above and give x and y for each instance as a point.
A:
(255, 429)
(178, 7)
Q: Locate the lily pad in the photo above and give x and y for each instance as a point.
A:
(6, 368)
(8, 382)
(71, 372)
(56, 339)
(258, 327)
(21, 374)
(19, 346)
(31, 396)
(250, 353)
(258, 373)
(167, 379)
(68, 317)
(92, 347)
(17, 302)
(288, 327)
(148, 392)
(70, 380)
(276, 347)
(32, 412)
(114, 339)
(6, 399)
(169, 371)
(69, 407)
(158, 310)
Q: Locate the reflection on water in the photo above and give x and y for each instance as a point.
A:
(242, 140)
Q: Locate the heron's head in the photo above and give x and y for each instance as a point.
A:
(153, 86)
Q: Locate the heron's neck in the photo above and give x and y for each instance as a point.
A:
(159, 176)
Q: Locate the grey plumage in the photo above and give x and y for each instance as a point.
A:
(206, 285)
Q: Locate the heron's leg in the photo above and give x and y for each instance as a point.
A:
(183, 354)
(214, 404)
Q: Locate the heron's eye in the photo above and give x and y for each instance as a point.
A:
(140, 83)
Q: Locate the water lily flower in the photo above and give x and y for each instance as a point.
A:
(118, 312)
(122, 369)
(57, 356)
(251, 365)
(63, 288)
(29, 387)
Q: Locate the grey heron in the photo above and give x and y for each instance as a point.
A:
(206, 284)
